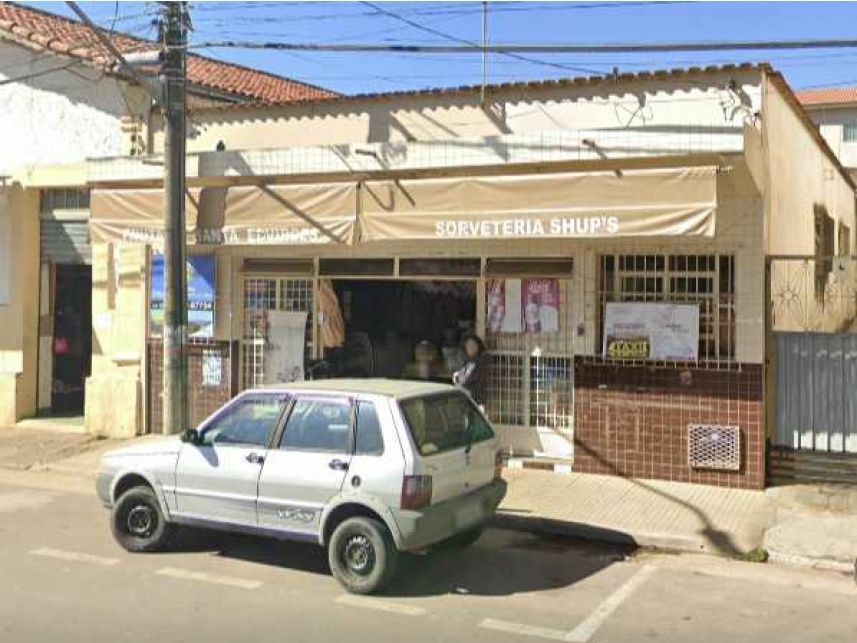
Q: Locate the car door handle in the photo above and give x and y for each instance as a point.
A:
(255, 458)
(338, 465)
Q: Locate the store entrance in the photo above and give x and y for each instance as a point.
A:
(72, 339)
(402, 329)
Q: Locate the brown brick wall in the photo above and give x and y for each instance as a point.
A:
(632, 420)
(203, 400)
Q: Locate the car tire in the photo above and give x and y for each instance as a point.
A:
(362, 555)
(137, 522)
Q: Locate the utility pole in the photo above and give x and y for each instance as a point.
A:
(172, 77)
(484, 52)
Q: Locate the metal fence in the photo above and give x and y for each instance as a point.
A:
(817, 294)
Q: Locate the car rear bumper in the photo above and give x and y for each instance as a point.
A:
(436, 523)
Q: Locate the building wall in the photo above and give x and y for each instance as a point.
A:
(59, 117)
(803, 181)
(830, 121)
(688, 106)
(19, 314)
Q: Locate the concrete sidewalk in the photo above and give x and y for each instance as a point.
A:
(648, 513)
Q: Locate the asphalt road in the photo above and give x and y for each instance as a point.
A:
(62, 578)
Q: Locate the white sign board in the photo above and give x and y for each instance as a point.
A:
(284, 351)
(657, 331)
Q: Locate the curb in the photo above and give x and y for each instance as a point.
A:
(548, 526)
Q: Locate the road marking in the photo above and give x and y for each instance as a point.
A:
(523, 630)
(74, 556)
(583, 632)
(202, 577)
(381, 606)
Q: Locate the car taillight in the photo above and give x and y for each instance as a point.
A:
(498, 465)
(416, 492)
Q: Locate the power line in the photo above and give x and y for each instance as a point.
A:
(483, 48)
(593, 48)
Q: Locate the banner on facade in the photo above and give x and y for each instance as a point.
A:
(234, 216)
(659, 202)
(285, 346)
(656, 331)
(522, 305)
(201, 274)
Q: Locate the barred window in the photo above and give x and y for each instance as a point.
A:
(849, 132)
(707, 280)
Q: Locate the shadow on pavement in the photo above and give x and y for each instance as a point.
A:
(501, 563)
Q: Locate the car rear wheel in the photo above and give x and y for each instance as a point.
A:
(362, 555)
(138, 523)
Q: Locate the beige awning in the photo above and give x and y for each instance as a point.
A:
(659, 202)
(275, 215)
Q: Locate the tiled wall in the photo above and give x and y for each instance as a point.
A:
(632, 421)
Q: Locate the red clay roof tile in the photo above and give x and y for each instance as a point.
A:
(47, 31)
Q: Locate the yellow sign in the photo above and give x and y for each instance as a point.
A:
(632, 348)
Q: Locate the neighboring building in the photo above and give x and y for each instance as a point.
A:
(62, 102)
(834, 110)
(569, 223)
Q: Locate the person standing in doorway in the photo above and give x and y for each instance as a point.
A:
(473, 376)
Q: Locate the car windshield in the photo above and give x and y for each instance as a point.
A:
(444, 422)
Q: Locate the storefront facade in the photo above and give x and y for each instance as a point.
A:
(617, 276)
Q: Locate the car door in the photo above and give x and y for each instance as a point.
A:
(307, 465)
(217, 479)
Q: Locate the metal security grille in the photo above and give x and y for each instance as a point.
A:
(714, 447)
(532, 374)
(706, 280)
(64, 227)
(261, 296)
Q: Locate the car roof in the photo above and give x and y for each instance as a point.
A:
(371, 386)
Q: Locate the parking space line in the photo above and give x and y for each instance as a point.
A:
(584, 631)
(379, 605)
(202, 577)
(75, 556)
(523, 629)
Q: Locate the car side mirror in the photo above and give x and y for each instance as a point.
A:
(191, 436)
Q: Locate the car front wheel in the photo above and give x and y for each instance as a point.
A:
(362, 555)
(138, 523)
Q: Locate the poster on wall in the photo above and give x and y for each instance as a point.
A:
(658, 331)
(540, 301)
(522, 305)
(503, 306)
(200, 296)
(284, 349)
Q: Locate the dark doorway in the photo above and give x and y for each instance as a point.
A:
(410, 329)
(72, 340)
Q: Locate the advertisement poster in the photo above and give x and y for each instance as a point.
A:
(200, 296)
(540, 300)
(503, 306)
(284, 350)
(658, 331)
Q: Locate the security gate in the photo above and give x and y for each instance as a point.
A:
(816, 392)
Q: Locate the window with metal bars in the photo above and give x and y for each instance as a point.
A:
(707, 280)
(262, 295)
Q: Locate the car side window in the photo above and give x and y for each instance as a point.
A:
(247, 421)
(368, 440)
(317, 425)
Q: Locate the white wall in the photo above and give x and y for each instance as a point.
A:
(830, 122)
(60, 117)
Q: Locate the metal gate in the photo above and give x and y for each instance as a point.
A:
(816, 392)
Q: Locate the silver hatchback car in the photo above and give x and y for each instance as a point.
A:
(365, 468)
